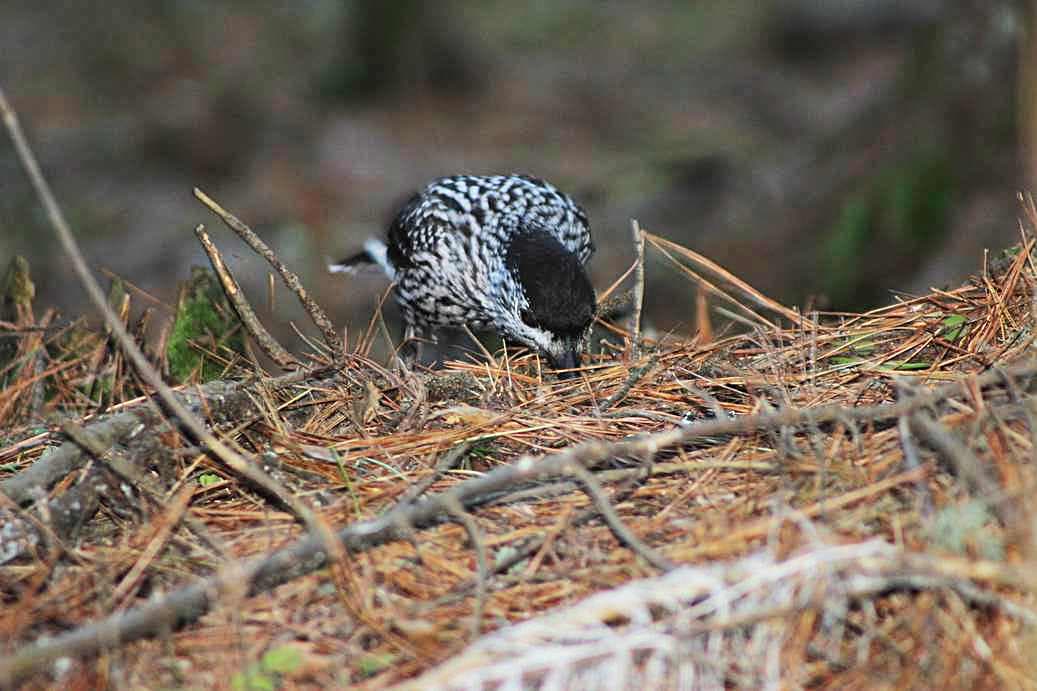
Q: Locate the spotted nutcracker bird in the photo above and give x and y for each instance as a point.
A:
(500, 252)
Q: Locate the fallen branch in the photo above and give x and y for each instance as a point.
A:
(482, 565)
(56, 463)
(219, 401)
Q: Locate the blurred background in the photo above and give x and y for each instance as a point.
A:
(826, 151)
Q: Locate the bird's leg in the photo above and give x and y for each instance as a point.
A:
(410, 350)
(414, 338)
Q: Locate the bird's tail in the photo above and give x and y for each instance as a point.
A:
(374, 254)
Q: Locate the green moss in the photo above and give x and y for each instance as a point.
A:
(16, 298)
(204, 325)
(117, 294)
(18, 286)
(99, 390)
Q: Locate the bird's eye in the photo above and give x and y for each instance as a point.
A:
(527, 318)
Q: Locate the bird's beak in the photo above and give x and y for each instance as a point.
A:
(567, 360)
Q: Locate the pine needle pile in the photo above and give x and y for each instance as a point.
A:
(827, 500)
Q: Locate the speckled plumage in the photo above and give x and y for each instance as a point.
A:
(501, 252)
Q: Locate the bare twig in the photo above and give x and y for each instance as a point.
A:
(482, 577)
(317, 314)
(545, 543)
(127, 471)
(909, 446)
(912, 460)
(175, 511)
(639, 289)
(447, 461)
(274, 350)
(615, 523)
(218, 399)
(60, 461)
(479, 344)
(963, 461)
(635, 375)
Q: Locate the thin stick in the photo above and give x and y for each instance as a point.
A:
(607, 293)
(593, 488)
(639, 289)
(472, 528)
(448, 461)
(383, 328)
(148, 373)
(963, 461)
(317, 315)
(635, 375)
(274, 350)
(717, 270)
(271, 293)
(171, 516)
(478, 344)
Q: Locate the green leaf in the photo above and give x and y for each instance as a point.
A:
(253, 680)
(953, 327)
(845, 360)
(369, 665)
(283, 659)
(904, 366)
(207, 479)
(863, 346)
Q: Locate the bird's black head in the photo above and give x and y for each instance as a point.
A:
(559, 295)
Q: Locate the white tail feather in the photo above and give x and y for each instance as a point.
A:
(377, 255)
